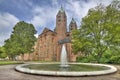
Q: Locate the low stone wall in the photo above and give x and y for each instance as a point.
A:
(111, 69)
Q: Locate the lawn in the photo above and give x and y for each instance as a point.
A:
(10, 62)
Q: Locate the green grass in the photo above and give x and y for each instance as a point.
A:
(72, 67)
(41, 61)
(9, 62)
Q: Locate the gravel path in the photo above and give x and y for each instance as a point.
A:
(7, 72)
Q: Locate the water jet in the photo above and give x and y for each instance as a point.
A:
(63, 59)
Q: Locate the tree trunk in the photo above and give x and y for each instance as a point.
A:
(22, 56)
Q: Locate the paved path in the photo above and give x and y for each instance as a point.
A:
(7, 72)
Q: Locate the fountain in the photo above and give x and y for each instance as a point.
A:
(63, 69)
(63, 59)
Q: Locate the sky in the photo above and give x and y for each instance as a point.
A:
(41, 13)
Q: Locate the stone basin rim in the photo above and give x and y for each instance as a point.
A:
(111, 69)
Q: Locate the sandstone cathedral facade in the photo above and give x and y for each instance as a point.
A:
(48, 47)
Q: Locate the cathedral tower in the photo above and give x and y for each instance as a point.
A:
(61, 23)
(73, 25)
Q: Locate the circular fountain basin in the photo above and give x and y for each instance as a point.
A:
(108, 69)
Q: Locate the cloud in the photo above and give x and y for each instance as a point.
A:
(42, 13)
(79, 8)
(43, 17)
(55, 2)
(7, 22)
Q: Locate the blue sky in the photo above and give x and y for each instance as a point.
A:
(41, 13)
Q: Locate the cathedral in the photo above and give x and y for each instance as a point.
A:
(48, 45)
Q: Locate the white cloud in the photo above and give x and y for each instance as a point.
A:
(7, 22)
(36, 35)
(55, 2)
(79, 8)
(43, 16)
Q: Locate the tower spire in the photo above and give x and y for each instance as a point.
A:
(72, 25)
(61, 9)
(73, 20)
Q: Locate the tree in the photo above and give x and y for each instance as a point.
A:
(22, 39)
(10, 49)
(99, 31)
(2, 52)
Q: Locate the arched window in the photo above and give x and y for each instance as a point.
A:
(59, 16)
(59, 20)
(71, 28)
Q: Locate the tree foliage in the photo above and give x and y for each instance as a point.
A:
(21, 40)
(2, 52)
(99, 31)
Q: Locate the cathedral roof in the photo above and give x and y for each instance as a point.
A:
(46, 30)
(65, 40)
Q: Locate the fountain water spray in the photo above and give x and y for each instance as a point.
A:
(63, 59)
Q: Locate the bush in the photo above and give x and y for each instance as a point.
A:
(105, 58)
(108, 57)
(86, 59)
(115, 59)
